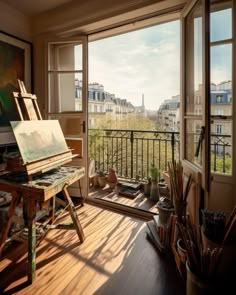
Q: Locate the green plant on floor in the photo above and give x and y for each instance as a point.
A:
(154, 173)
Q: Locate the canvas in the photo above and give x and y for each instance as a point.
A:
(39, 140)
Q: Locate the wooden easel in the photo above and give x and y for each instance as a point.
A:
(28, 109)
(26, 104)
(38, 189)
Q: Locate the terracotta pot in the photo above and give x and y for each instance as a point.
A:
(112, 179)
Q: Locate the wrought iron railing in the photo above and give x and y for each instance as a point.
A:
(221, 153)
(133, 152)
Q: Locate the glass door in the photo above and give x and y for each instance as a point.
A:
(67, 96)
(195, 101)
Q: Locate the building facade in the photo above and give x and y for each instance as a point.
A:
(221, 115)
(101, 102)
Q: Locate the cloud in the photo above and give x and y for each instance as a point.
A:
(141, 62)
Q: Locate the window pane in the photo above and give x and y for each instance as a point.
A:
(193, 130)
(221, 146)
(220, 24)
(221, 79)
(65, 57)
(67, 88)
(194, 62)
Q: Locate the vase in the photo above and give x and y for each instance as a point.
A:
(164, 213)
(154, 192)
(112, 178)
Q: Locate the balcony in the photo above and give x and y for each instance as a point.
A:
(132, 152)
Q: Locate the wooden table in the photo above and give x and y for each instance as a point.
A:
(42, 188)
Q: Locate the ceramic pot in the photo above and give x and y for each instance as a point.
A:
(164, 214)
(102, 180)
(154, 193)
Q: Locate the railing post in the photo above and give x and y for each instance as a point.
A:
(173, 146)
(132, 153)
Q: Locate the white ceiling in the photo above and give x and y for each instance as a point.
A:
(31, 8)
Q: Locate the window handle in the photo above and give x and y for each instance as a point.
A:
(200, 140)
(83, 126)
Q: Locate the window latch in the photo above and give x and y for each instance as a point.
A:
(83, 126)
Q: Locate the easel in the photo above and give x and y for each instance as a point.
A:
(26, 104)
(36, 189)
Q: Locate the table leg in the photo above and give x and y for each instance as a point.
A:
(14, 202)
(74, 215)
(31, 212)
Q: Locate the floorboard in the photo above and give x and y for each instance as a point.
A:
(115, 258)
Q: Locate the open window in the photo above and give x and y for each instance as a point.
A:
(67, 68)
(207, 85)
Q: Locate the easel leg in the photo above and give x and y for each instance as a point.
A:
(31, 211)
(80, 191)
(14, 202)
(74, 215)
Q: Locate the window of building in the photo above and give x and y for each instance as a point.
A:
(229, 98)
(219, 129)
(219, 112)
(219, 98)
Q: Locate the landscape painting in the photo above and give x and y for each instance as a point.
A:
(38, 140)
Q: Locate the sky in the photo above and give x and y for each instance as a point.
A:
(140, 62)
(147, 61)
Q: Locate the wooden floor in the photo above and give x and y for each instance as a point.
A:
(116, 258)
(140, 202)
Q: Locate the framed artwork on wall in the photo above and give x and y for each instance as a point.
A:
(15, 63)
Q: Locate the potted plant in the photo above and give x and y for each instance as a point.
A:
(154, 193)
(165, 209)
